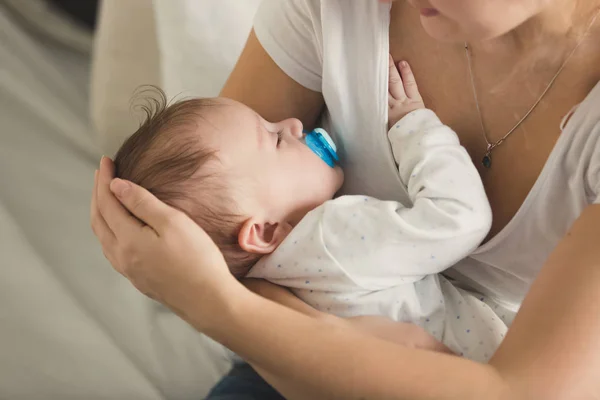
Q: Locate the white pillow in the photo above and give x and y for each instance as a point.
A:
(186, 47)
(199, 42)
(125, 56)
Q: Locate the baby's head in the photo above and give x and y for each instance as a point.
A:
(246, 181)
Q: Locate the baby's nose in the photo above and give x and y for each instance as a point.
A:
(295, 128)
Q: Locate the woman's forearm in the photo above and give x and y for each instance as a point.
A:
(552, 350)
(284, 297)
(403, 334)
(312, 358)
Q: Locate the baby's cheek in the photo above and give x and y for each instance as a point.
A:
(339, 177)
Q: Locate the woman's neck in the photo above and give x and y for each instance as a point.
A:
(560, 23)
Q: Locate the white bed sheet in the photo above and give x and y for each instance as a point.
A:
(70, 327)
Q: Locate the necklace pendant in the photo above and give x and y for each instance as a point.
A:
(487, 161)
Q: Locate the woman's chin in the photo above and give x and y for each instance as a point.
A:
(441, 29)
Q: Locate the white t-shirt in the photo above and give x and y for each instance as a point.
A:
(340, 48)
(357, 255)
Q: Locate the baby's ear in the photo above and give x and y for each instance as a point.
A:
(260, 237)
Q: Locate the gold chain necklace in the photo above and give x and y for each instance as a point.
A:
(487, 158)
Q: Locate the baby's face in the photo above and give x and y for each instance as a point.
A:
(279, 177)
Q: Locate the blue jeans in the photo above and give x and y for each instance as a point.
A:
(243, 383)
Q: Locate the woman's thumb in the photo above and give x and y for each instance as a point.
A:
(141, 203)
(120, 187)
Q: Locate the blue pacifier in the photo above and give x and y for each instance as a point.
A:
(321, 144)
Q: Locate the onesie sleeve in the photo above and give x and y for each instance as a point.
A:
(290, 33)
(442, 182)
(382, 243)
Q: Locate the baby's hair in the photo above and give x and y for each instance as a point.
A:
(168, 156)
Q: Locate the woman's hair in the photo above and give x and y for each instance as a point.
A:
(167, 156)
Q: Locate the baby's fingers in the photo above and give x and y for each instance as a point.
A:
(410, 84)
(395, 86)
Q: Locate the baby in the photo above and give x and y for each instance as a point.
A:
(265, 198)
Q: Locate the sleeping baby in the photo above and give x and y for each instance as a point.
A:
(264, 192)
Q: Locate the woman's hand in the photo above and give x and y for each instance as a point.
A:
(159, 249)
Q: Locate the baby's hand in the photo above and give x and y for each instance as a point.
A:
(403, 93)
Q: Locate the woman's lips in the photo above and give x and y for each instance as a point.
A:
(429, 12)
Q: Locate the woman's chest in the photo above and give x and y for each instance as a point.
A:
(355, 89)
(483, 101)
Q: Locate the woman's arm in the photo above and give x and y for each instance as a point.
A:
(404, 334)
(260, 84)
(551, 352)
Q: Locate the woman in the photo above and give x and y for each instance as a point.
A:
(525, 66)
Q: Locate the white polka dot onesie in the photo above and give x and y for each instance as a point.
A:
(357, 255)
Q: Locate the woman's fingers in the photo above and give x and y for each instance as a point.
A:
(395, 86)
(118, 220)
(99, 226)
(410, 84)
(143, 204)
